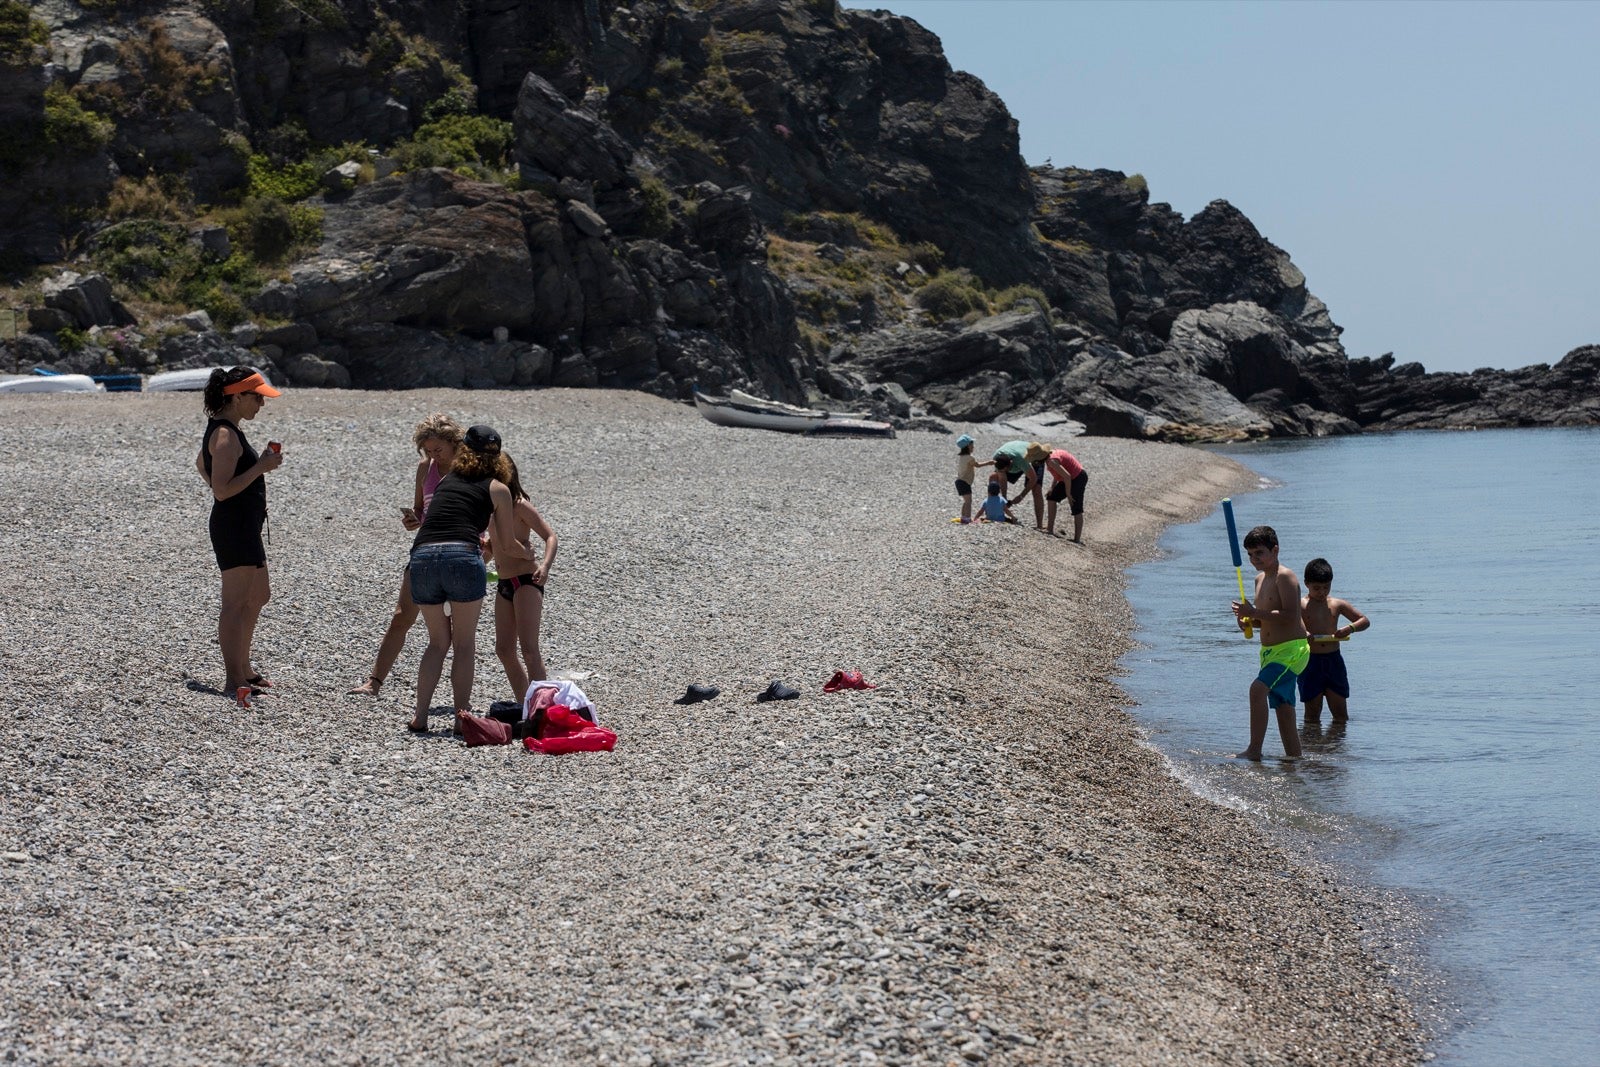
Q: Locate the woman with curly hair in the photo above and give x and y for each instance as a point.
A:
(235, 474)
(436, 438)
(447, 564)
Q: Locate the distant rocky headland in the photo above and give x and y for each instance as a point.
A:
(786, 196)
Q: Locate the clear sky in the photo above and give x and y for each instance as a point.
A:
(1433, 168)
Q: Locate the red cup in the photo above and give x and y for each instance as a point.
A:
(275, 446)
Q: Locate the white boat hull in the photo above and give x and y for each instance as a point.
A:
(726, 413)
(179, 381)
(751, 412)
(52, 383)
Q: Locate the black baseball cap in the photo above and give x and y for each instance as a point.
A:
(482, 438)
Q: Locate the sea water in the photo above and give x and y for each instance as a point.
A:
(1466, 777)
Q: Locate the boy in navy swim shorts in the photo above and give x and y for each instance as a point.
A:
(1325, 674)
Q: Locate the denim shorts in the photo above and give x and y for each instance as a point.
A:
(449, 571)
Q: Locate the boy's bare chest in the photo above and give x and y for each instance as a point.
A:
(1319, 616)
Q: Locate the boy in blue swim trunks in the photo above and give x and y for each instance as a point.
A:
(1325, 675)
(1284, 651)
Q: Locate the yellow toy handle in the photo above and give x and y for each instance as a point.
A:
(1238, 572)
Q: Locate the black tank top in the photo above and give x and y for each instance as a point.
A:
(252, 499)
(459, 512)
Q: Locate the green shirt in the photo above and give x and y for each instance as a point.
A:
(1016, 452)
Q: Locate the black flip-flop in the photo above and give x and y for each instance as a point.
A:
(776, 690)
(696, 693)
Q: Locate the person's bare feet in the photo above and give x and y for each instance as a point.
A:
(367, 688)
(418, 727)
(1248, 754)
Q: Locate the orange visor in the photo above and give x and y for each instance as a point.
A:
(253, 384)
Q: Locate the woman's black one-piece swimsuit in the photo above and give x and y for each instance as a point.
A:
(236, 522)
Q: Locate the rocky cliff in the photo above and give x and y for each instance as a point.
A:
(784, 195)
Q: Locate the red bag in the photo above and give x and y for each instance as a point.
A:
(564, 730)
(476, 731)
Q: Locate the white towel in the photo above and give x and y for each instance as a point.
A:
(566, 693)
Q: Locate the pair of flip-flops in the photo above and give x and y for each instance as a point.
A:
(775, 690)
(846, 680)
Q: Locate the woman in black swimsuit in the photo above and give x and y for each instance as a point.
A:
(234, 472)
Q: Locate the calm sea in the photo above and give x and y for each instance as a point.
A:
(1466, 777)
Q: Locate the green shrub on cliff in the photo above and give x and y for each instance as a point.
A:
(151, 197)
(268, 230)
(71, 127)
(657, 205)
(460, 99)
(159, 265)
(1019, 296)
(952, 294)
(477, 143)
(21, 35)
(287, 182)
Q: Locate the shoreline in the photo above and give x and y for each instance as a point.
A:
(981, 859)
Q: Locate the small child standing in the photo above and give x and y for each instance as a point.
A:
(966, 474)
(1325, 674)
(995, 506)
(1284, 651)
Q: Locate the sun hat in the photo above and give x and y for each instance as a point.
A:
(255, 383)
(482, 438)
(964, 440)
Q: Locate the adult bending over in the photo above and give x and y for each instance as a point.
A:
(519, 595)
(447, 564)
(1011, 460)
(437, 438)
(234, 471)
(1069, 482)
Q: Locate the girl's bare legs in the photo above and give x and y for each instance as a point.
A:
(394, 638)
(464, 642)
(505, 644)
(529, 612)
(245, 591)
(439, 630)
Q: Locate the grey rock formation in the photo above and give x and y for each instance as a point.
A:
(86, 300)
(660, 144)
(555, 137)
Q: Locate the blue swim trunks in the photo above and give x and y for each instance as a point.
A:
(1325, 673)
(1281, 664)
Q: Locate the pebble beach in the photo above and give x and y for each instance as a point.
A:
(978, 861)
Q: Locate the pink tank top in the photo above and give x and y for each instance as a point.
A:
(430, 482)
(1069, 461)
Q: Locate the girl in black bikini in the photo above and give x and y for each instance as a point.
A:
(234, 472)
(519, 598)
